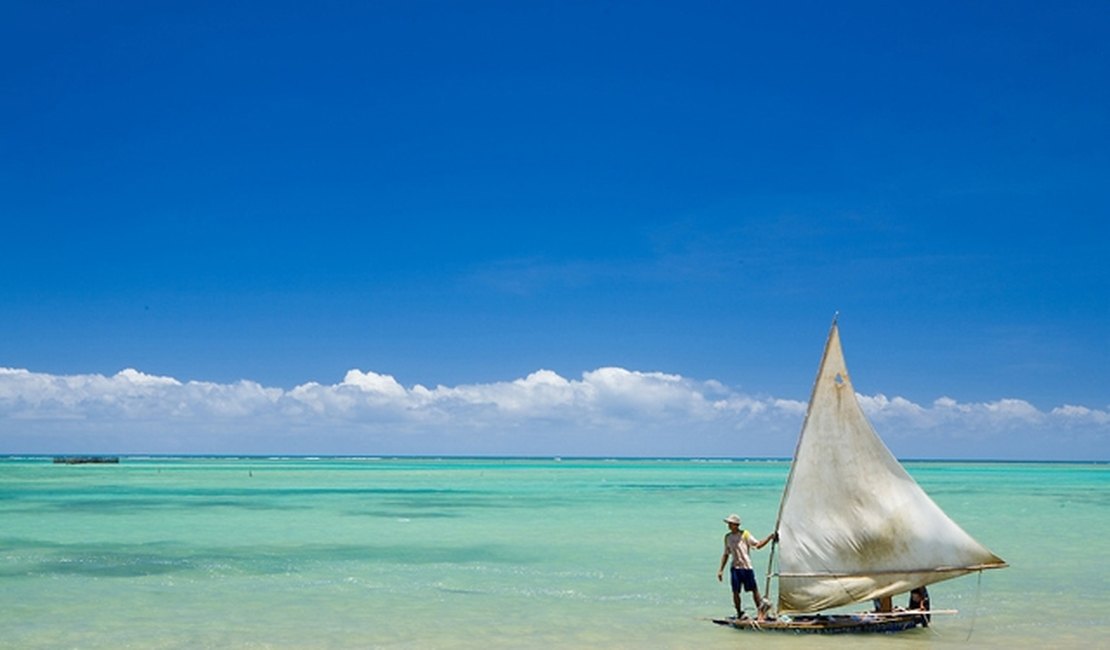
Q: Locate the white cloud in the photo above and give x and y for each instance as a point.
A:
(605, 411)
(1081, 414)
(372, 382)
(946, 411)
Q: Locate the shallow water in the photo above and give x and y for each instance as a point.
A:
(490, 553)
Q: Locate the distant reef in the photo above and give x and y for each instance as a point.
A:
(86, 460)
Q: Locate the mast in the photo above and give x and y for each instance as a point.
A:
(794, 459)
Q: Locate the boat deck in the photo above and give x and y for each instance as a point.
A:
(829, 624)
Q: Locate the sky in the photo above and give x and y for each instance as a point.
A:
(565, 228)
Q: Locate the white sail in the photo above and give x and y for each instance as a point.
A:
(853, 525)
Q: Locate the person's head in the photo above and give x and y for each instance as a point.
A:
(733, 521)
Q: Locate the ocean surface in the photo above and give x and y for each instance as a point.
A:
(492, 553)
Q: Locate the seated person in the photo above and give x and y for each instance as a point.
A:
(919, 600)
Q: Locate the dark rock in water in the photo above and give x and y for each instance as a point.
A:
(84, 460)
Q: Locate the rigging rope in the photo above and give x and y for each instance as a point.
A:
(975, 608)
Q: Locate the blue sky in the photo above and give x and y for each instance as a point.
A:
(594, 228)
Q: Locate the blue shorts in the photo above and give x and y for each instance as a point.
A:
(743, 578)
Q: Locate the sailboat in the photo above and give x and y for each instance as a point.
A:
(853, 526)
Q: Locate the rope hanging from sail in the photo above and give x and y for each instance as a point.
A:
(975, 608)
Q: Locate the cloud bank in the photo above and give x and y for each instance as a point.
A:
(608, 411)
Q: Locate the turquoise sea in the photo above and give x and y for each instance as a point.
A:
(491, 553)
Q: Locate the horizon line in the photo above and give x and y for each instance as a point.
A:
(547, 457)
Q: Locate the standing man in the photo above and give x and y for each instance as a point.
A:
(738, 544)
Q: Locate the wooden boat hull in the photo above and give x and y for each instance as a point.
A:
(828, 624)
